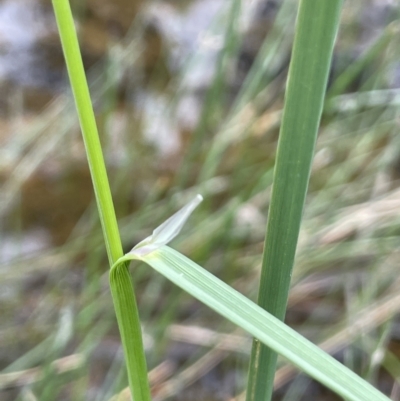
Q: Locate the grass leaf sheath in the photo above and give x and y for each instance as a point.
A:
(127, 316)
(121, 285)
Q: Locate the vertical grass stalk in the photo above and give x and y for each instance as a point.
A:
(121, 285)
(316, 29)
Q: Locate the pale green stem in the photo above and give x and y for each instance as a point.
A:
(121, 286)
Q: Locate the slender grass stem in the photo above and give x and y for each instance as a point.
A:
(121, 286)
(87, 121)
(316, 29)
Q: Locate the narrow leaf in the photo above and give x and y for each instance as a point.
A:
(246, 314)
(316, 29)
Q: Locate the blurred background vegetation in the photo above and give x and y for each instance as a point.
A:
(188, 96)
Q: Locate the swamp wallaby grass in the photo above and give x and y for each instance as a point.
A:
(316, 29)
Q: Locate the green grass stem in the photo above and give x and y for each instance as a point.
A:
(316, 29)
(121, 285)
(87, 121)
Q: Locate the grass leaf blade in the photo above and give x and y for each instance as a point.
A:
(271, 331)
(316, 29)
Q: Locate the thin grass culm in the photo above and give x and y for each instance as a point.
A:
(316, 30)
(120, 281)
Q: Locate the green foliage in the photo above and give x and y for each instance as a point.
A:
(316, 30)
(121, 286)
(263, 326)
(345, 270)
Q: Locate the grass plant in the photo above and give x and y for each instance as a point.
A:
(310, 62)
(355, 165)
(316, 30)
(120, 280)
